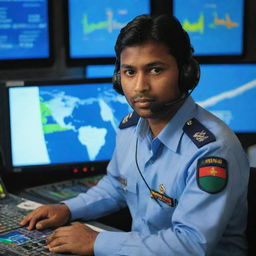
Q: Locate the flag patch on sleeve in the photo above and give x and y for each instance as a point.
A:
(212, 174)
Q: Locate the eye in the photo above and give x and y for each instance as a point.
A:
(129, 72)
(156, 70)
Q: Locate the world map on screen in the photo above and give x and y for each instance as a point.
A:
(84, 120)
(77, 123)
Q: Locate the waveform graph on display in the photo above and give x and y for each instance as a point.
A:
(215, 27)
(93, 28)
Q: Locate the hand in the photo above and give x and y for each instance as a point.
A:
(77, 238)
(47, 216)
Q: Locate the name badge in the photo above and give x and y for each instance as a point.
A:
(166, 199)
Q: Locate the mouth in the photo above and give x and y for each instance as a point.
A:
(143, 102)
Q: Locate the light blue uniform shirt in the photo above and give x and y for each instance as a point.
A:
(201, 223)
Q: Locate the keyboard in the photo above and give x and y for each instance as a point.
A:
(10, 221)
(10, 213)
(14, 239)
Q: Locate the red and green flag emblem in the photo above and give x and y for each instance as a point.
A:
(212, 174)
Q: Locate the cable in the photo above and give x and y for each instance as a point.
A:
(138, 168)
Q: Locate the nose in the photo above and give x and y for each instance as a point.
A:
(141, 82)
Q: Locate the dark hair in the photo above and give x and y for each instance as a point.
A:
(164, 29)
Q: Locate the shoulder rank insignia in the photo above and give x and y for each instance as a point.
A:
(198, 133)
(130, 120)
(212, 174)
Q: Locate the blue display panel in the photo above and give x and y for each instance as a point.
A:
(61, 124)
(215, 27)
(229, 92)
(24, 29)
(14, 237)
(93, 28)
(99, 71)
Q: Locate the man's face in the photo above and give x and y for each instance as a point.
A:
(148, 74)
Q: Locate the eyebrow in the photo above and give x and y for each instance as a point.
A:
(152, 64)
(126, 66)
(156, 63)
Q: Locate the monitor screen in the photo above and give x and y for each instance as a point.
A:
(229, 92)
(215, 27)
(63, 123)
(99, 71)
(24, 30)
(93, 28)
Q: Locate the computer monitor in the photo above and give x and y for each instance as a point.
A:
(215, 28)
(229, 91)
(93, 28)
(62, 123)
(25, 33)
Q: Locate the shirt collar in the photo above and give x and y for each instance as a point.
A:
(172, 132)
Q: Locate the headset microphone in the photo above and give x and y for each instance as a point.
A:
(158, 107)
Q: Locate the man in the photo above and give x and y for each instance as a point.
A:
(179, 169)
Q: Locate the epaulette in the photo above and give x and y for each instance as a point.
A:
(198, 133)
(130, 120)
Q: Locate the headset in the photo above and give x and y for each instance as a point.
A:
(189, 69)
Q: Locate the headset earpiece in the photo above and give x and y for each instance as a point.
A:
(116, 79)
(189, 75)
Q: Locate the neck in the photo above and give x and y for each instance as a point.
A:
(158, 122)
